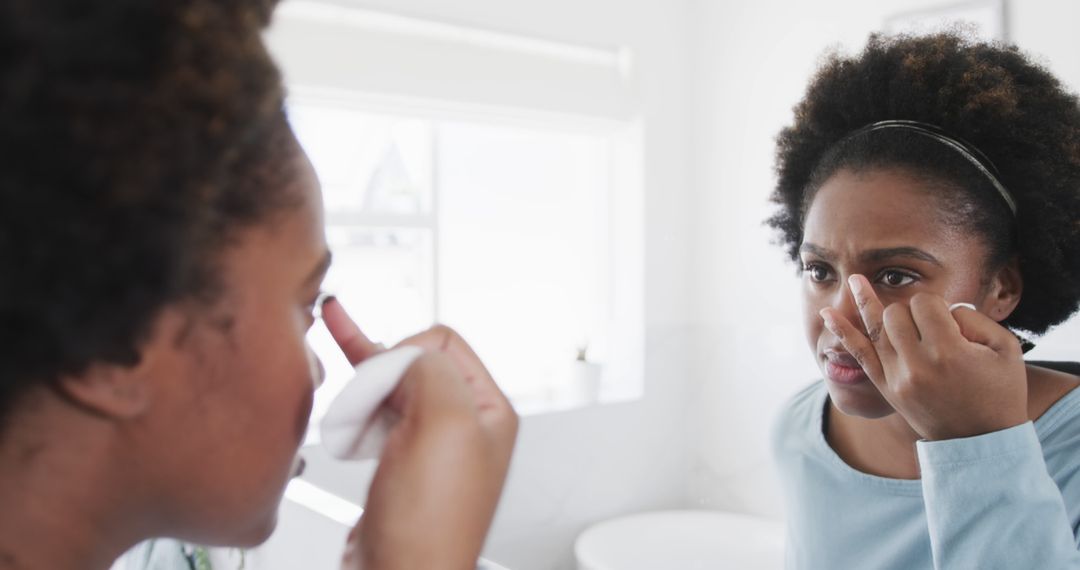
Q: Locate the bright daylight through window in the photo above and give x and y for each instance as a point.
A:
(499, 230)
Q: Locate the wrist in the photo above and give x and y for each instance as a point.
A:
(1017, 443)
(975, 430)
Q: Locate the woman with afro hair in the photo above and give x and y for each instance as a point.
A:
(929, 189)
(161, 254)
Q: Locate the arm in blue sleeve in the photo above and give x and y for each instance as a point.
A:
(990, 503)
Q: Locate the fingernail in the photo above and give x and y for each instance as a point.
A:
(829, 322)
(327, 297)
(856, 284)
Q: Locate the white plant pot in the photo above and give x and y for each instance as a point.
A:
(586, 379)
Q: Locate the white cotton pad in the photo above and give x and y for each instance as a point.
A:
(355, 426)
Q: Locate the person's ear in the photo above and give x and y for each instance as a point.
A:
(125, 392)
(1004, 291)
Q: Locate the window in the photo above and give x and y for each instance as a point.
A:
(500, 229)
(480, 178)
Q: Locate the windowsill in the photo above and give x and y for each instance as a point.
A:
(554, 401)
(537, 406)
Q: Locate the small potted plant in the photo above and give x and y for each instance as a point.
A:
(586, 376)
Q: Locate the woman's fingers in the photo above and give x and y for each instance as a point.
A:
(434, 494)
(444, 339)
(356, 346)
(981, 329)
(949, 373)
(902, 334)
(434, 385)
(490, 400)
(857, 344)
(941, 325)
(936, 324)
(872, 314)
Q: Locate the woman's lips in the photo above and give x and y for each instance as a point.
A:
(842, 368)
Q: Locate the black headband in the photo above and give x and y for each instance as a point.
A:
(968, 151)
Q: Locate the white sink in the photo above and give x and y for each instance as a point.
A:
(687, 540)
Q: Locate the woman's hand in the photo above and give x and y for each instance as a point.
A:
(950, 374)
(442, 470)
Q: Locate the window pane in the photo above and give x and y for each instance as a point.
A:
(510, 244)
(367, 163)
(523, 250)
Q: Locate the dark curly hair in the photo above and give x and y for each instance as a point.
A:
(135, 137)
(992, 96)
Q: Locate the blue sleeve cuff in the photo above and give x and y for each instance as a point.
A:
(1019, 440)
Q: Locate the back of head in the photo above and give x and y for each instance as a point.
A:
(128, 133)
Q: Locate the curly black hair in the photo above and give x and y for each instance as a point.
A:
(990, 95)
(132, 138)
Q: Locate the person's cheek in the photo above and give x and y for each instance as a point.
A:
(303, 415)
(812, 323)
(316, 370)
(305, 400)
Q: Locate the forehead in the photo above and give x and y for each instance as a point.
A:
(854, 211)
(279, 250)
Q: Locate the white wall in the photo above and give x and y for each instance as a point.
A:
(751, 62)
(574, 468)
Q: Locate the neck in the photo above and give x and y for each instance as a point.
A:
(63, 509)
(884, 447)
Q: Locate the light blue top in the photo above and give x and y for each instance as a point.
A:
(169, 554)
(161, 554)
(1009, 499)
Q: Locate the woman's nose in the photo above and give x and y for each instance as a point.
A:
(844, 303)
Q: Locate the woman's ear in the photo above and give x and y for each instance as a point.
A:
(1004, 290)
(126, 392)
(107, 390)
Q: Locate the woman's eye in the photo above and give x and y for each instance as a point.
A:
(817, 273)
(893, 278)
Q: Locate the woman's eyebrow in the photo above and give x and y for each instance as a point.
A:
(874, 255)
(879, 255)
(816, 250)
(320, 269)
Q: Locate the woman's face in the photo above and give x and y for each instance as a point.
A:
(233, 405)
(885, 225)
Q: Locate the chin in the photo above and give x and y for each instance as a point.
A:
(263, 533)
(247, 532)
(257, 534)
(232, 537)
(261, 521)
(863, 401)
